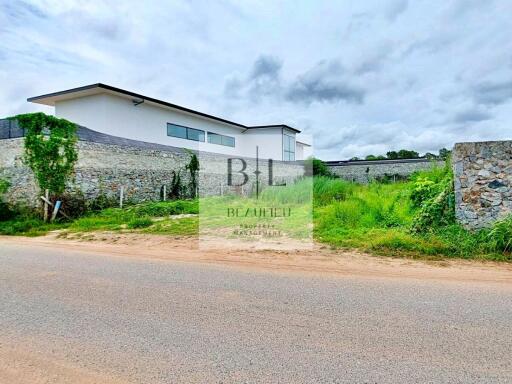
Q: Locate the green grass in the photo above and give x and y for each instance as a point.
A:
(28, 226)
(136, 217)
(376, 218)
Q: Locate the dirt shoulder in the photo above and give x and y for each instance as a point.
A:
(319, 260)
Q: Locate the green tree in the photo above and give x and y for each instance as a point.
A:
(193, 168)
(407, 154)
(320, 169)
(392, 155)
(49, 149)
(375, 157)
(444, 153)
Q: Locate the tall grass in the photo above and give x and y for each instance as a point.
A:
(380, 218)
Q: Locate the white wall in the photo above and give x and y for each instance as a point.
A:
(116, 115)
(268, 140)
(299, 151)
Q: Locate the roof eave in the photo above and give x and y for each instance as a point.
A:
(39, 100)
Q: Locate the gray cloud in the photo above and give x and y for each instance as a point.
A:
(472, 116)
(18, 11)
(110, 28)
(493, 93)
(395, 8)
(266, 66)
(263, 80)
(326, 82)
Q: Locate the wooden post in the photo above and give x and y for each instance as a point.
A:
(165, 192)
(47, 198)
(56, 208)
(121, 196)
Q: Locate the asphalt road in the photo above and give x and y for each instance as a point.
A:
(67, 316)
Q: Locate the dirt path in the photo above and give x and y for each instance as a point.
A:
(320, 259)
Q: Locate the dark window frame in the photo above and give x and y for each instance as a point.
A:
(289, 154)
(222, 137)
(201, 133)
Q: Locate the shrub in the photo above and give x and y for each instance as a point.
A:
(140, 222)
(177, 189)
(74, 204)
(193, 168)
(499, 238)
(165, 208)
(5, 211)
(327, 190)
(423, 190)
(432, 192)
(437, 211)
(320, 169)
(102, 201)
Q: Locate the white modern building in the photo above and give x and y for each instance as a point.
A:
(122, 113)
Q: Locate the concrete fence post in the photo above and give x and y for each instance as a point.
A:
(121, 197)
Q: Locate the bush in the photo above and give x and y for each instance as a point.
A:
(140, 222)
(165, 208)
(74, 204)
(5, 211)
(320, 169)
(327, 190)
(102, 201)
(432, 192)
(499, 238)
(437, 211)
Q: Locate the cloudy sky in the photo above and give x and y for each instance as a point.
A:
(360, 77)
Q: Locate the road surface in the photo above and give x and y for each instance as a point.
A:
(70, 316)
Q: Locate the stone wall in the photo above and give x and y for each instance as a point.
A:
(142, 171)
(483, 181)
(365, 171)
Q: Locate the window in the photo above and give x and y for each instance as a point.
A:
(215, 138)
(182, 132)
(288, 148)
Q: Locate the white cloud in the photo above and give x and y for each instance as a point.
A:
(361, 77)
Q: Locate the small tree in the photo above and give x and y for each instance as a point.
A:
(444, 153)
(320, 169)
(5, 211)
(193, 168)
(49, 149)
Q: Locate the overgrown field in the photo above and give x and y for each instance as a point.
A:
(411, 219)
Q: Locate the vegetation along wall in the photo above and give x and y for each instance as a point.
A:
(105, 163)
(482, 182)
(362, 171)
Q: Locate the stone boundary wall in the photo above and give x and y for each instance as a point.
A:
(142, 171)
(365, 171)
(482, 181)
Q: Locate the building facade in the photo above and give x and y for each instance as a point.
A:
(122, 113)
